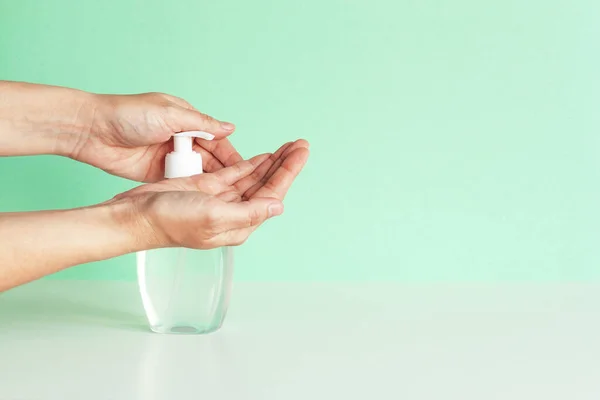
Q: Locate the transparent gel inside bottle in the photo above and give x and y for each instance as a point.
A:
(185, 290)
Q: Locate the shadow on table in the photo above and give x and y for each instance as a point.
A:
(64, 308)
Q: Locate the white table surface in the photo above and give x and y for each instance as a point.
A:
(84, 340)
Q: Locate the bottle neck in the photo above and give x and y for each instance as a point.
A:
(183, 144)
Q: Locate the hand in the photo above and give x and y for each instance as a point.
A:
(124, 135)
(129, 135)
(221, 208)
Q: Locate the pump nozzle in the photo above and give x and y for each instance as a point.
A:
(183, 160)
(184, 140)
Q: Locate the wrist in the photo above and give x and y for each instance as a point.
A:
(73, 129)
(42, 119)
(130, 218)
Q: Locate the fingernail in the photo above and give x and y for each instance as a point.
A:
(275, 210)
(227, 126)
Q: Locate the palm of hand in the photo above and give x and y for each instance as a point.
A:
(266, 175)
(222, 208)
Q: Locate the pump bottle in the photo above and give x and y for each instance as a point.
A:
(185, 290)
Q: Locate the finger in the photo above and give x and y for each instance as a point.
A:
(183, 119)
(282, 149)
(243, 185)
(295, 145)
(249, 191)
(222, 150)
(247, 214)
(156, 169)
(237, 171)
(301, 143)
(281, 180)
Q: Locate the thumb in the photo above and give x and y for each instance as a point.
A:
(252, 213)
(192, 120)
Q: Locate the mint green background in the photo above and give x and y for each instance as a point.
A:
(451, 140)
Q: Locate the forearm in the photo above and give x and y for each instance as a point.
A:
(41, 119)
(36, 244)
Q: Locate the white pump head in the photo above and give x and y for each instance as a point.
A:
(183, 160)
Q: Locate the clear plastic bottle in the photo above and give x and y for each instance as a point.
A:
(185, 290)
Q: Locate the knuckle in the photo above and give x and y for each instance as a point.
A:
(158, 97)
(169, 108)
(270, 185)
(213, 165)
(254, 218)
(208, 119)
(205, 117)
(185, 103)
(257, 175)
(238, 168)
